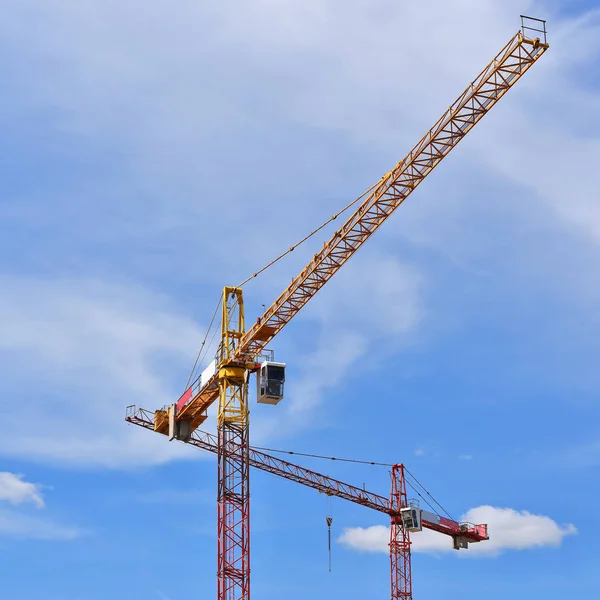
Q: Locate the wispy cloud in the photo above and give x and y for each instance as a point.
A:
(93, 348)
(102, 341)
(17, 491)
(383, 317)
(18, 523)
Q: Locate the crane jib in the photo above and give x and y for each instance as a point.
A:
(515, 59)
(323, 483)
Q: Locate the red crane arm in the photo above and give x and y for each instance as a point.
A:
(490, 85)
(321, 483)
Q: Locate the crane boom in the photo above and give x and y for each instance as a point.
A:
(519, 54)
(322, 483)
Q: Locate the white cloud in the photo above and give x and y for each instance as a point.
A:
(22, 526)
(568, 142)
(94, 348)
(366, 539)
(16, 491)
(332, 71)
(508, 529)
(19, 524)
(91, 349)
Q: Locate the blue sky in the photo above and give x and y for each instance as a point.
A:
(151, 155)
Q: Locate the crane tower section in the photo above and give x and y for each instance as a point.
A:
(233, 500)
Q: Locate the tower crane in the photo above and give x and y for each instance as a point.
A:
(405, 516)
(240, 351)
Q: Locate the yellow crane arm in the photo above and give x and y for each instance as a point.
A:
(492, 83)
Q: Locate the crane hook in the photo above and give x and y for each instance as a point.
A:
(329, 521)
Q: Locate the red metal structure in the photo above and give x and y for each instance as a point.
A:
(462, 533)
(233, 530)
(400, 572)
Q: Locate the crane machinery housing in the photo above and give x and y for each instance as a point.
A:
(243, 352)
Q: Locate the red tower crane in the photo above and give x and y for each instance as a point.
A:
(226, 378)
(405, 516)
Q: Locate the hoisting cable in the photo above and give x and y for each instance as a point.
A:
(187, 385)
(415, 484)
(270, 264)
(425, 490)
(200, 357)
(292, 248)
(212, 339)
(349, 460)
(424, 499)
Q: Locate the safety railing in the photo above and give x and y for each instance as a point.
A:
(531, 24)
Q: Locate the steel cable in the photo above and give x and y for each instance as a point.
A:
(187, 385)
(304, 239)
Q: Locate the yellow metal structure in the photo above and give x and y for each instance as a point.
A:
(515, 59)
(232, 374)
(233, 531)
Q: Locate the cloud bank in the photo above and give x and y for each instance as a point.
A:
(107, 89)
(92, 348)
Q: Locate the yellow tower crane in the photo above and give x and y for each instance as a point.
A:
(226, 379)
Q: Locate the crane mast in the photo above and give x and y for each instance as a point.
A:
(400, 571)
(227, 379)
(233, 500)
